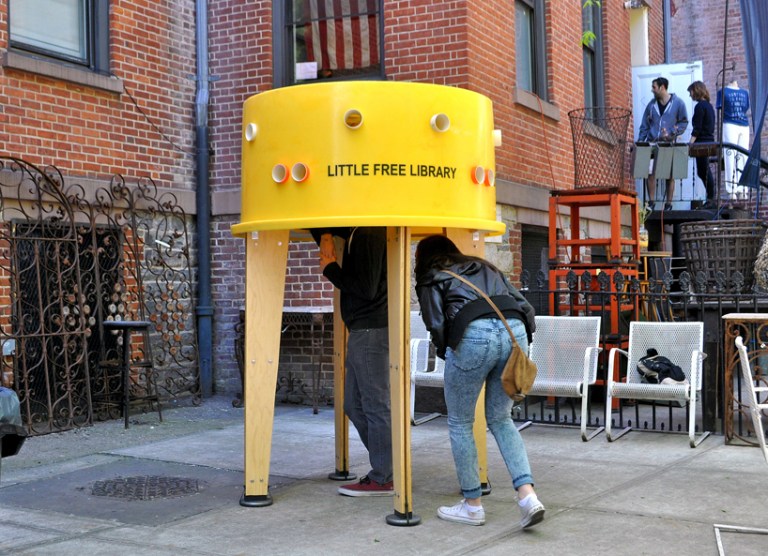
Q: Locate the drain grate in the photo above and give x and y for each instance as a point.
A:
(146, 487)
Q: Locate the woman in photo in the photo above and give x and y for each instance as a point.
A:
(475, 344)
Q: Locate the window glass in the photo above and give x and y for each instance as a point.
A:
(593, 60)
(335, 39)
(524, 46)
(590, 98)
(62, 31)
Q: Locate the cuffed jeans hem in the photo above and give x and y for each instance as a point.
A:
(472, 494)
(524, 480)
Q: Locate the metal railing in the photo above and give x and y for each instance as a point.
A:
(684, 297)
(73, 257)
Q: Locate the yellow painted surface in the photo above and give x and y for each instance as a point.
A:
(394, 169)
(416, 158)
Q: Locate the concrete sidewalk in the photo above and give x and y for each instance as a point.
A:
(647, 493)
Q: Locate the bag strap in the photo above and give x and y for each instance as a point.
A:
(488, 299)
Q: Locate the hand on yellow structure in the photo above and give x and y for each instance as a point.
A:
(327, 251)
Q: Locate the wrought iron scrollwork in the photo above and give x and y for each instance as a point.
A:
(72, 257)
(44, 328)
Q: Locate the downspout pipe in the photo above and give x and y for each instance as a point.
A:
(204, 306)
(667, 12)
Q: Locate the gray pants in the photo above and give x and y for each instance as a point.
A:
(366, 397)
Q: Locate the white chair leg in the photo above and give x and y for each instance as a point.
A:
(692, 440)
(524, 426)
(585, 417)
(608, 428)
(421, 420)
(759, 431)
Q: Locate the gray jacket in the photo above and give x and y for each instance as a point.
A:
(657, 127)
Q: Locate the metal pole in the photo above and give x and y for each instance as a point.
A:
(204, 308)
(720, 108)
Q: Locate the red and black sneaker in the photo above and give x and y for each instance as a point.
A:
(367, 487)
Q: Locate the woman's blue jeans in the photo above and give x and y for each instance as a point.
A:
(479, 360)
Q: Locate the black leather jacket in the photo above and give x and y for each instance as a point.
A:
(448, 305)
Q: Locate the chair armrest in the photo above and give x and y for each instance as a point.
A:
(419, 348)
(611, 365)
(439, 365)
(697, 368)
(590, 364)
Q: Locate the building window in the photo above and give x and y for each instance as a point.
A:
(535, 254)
(327, 40)
(75, 31)
(592, 47)
(530, 47)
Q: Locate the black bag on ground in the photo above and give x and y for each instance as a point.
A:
(654, 368)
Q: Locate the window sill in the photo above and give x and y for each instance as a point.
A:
(40, 66)
(602, 134)
(532, 102)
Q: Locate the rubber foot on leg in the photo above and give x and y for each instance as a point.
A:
(342, 476)
(255, 500)
(486, 488)
(403, 520)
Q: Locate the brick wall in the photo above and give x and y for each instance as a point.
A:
(240, 38)
(228, 291)
(467, 43)
(95, 133)
(90, 133)
(698, 30)
(426, 41)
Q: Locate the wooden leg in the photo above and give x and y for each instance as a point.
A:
(472, 243)
(340, 420)
(126, 374)
(399, 296)
(341, 423)
(266, 254)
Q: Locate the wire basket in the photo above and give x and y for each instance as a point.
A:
(722, 245)
(600, 147)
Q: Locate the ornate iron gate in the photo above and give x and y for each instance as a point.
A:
(73, 257)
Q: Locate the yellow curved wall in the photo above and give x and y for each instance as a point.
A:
(394, 169)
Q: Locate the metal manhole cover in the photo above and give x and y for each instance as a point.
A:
(146, 487)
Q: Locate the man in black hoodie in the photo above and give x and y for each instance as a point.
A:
(362, 283)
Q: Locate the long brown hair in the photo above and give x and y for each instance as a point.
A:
(698, 91)
(437, 252)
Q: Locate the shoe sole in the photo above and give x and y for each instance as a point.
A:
(458, 519)
(534, 518)
(359, 494)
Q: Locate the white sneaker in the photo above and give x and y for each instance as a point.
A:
(533, 513)
(460, 513)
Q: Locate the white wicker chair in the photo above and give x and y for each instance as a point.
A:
(755, 407)
(421, 374)
(682, 343)
(565, 350)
